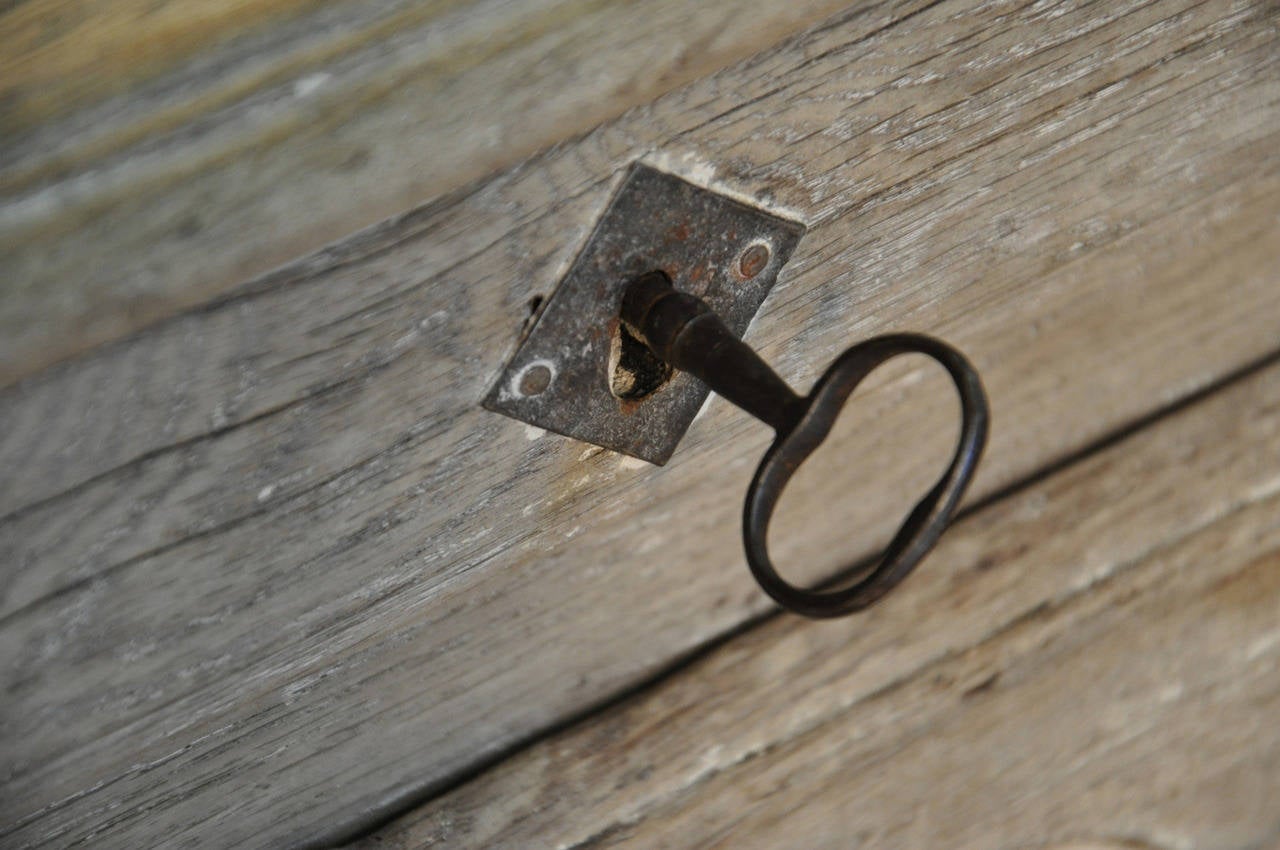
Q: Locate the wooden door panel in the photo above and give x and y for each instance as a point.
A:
(275, 574)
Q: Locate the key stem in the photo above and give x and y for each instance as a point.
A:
(682, 330)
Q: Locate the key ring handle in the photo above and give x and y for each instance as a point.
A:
(797, 441)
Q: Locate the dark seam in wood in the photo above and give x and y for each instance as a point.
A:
(1048, 607)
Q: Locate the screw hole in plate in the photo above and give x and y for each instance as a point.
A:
(534, 379)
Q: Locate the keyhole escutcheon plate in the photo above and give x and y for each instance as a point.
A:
(578, 373)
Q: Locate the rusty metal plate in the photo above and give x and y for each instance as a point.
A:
(579, 373)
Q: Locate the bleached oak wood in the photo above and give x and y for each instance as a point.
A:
(1097, 669)
(271, 573)
(155, 154)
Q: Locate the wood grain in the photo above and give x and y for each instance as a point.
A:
(1097, 669)
(155, 154)
(271, 573)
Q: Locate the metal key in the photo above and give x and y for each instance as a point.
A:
(682, 331)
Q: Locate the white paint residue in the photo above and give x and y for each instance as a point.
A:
(1263, 645)
(693, 168)
(685, 164)
(310, 84)
(912, 378)
(649, 544)
(265, 492)
(706, 402)
(1265, 490)
(533, 432)
(1171, 692)
(629, 462)
(405, 340)
(436, 318)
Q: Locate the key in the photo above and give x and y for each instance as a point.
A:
(682, 331)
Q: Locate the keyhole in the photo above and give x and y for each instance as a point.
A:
(634, 370)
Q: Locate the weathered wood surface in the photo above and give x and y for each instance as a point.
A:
(271, 573)
(1098, 669)
(153, 154)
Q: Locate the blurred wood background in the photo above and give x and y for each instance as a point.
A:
(272, 577)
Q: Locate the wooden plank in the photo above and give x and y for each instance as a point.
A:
(1098, 670)
(271, 572)
(155, 154)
